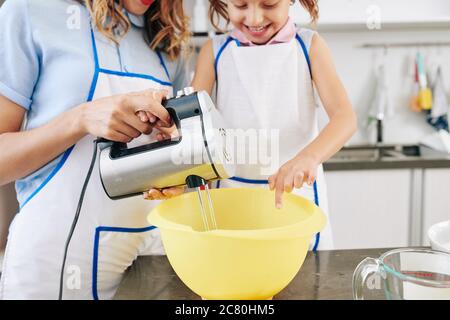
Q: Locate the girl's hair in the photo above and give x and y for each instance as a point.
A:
(218, 8)
(166, 25)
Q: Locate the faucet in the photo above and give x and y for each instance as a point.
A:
(380, 106)
(378, 118)
(379, 131)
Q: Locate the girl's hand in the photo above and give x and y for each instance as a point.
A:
(293, 174)
(156, 194)
(166, 133)
(119, 118)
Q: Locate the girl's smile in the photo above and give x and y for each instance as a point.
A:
(259, 20)
(258, 31)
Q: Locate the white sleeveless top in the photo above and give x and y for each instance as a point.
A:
(300, 120)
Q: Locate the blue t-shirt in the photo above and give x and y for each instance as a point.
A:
(47, 63)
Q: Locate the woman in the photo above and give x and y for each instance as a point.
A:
(103, 75)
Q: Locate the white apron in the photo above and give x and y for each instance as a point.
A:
(269, 89)
(109, 234)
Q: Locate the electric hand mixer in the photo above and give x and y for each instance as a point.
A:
(197, 155)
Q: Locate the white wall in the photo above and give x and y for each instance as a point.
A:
(356, 69)
(390, 10)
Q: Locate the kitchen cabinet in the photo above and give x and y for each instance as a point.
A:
(370, 208)
(436, 199)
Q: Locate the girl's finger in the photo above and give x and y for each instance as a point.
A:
(135, 120)
(164, 128)
(147, 196)
(271, 181)
(311, 178)
(298, 180)
(172, 192)
(162, 124)
(143, 116)
(151, 118)
(156, 194)
(168, 132)
(161, 137)
(143, 102)
(279, 189)
(289, 183)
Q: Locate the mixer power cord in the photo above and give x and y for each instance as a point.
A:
(77, 215)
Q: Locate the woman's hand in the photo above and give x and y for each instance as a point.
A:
(293, 174)
(120, 118)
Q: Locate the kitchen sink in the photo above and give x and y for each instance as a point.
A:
(383, 152)
(360, 154)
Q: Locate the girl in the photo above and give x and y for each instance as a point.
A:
(264, 72)
(79, 70)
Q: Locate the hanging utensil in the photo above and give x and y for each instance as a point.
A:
(425, 94)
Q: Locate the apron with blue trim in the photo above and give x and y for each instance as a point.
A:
(267, 92)
(109, 235)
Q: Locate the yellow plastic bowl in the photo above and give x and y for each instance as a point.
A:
(255, 253)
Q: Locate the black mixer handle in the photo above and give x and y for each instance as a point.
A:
(183, 107)
(179, 108)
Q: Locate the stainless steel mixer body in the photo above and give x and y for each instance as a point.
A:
(199, 152)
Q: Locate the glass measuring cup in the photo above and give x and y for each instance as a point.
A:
(405, 274)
